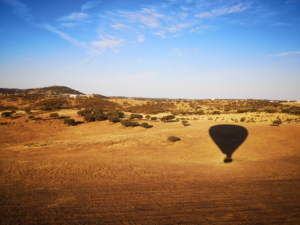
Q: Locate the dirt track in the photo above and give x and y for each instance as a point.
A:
(101, 173)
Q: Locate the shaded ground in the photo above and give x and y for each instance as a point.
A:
(102, 173)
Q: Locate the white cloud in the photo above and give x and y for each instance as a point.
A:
(161, 34)
(237, 8)
(61, 34)
(140, 38)
(281, 24)
(77, 16)
(108, 42)
(176, 52)
(204, 14)
(118, 26)
(69, 24)
(178, 27)
(146, 16)
(20, 9)
(284, 54)
(90, 4)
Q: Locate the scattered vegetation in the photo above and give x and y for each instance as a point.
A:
(173, 139)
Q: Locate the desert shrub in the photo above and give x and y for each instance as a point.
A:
(128, 123)
(145, 125)
(99, 117)
(54, 115)
(173, 139)
(215, 112)
(114, 119)
(167, 118)
(31, 117)
(89, 117)
(286, 111)
(270, 110)
(68, 121)
(184, 122)
(277, 122)
(6, 114)
(84, 112)
(112, 113)
(242, 110)
(243, 119)
(136, 116)
(153, 118)
(148, 117)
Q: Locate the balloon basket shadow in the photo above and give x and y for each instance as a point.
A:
(228, 160)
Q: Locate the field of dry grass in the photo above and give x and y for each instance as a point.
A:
(103, 173)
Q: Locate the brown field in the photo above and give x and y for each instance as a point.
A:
(103, 173)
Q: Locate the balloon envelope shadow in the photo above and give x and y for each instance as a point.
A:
(228, 138)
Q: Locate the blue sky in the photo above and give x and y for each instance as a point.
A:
(172, 48)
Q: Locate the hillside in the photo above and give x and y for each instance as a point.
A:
(52, 90)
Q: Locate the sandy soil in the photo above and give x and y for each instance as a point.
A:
(103, 173)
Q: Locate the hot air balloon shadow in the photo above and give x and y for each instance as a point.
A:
(228, 138)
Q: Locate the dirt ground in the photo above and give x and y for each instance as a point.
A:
(103, 173)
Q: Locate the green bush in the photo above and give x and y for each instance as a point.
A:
(145, 125)
(173, 139)
(153, 118)
(243, 119)
(136, 116)
(68, 121)
(54, 115)
(89, 117)
(148, 117)
(128, 123)
(184, 122)
(99, 117)
(114, 119)
(277, 122)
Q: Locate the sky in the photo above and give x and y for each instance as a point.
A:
(194, 49)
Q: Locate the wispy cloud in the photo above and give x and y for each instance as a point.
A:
(148, 17)
(108, 42)
(76, 16)
(89, 5)
(178, 27)
(62, 34)
(281, 24)
(161, 34)
(140, 38)
(225, 10)
(176, 52)
(69, 24)
(284, 54)
(118, 26)
(20, 9)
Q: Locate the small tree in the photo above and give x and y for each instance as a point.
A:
(243, 119)
(68, 121)
(184, 122)
(54, 115)
(145, 125)
(154, 118)
(31, 117)
(277, 122)
(114, 119)
(148, 117)
(89, 117)
(173, 139)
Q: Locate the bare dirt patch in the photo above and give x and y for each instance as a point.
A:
(102, 173)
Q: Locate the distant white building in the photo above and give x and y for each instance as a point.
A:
(74, 96)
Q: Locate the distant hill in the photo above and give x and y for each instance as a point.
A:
(52, 90)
